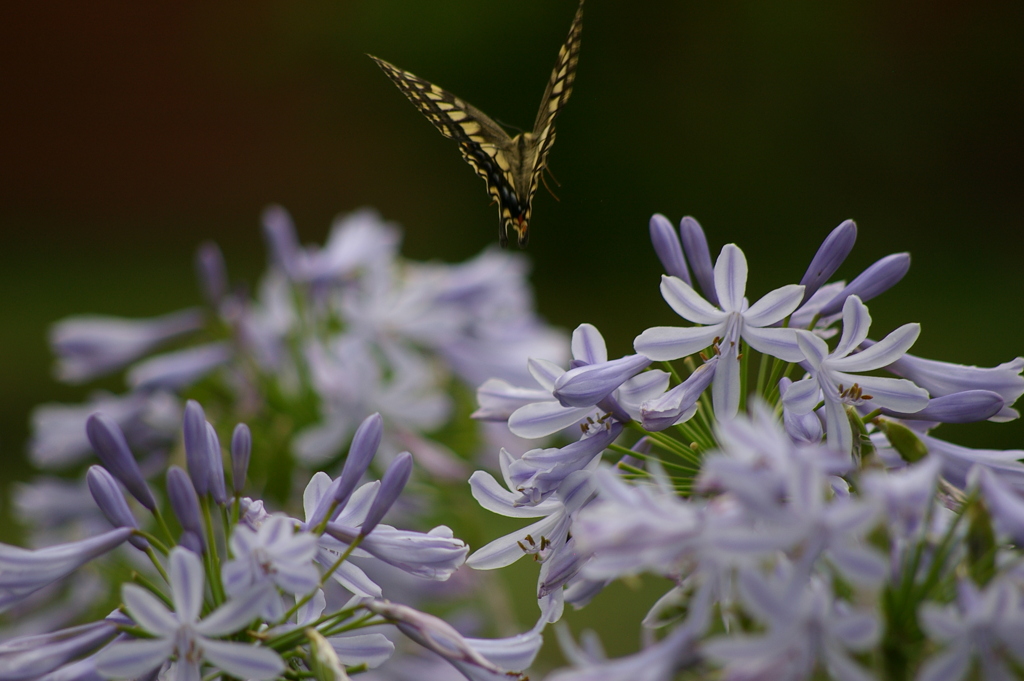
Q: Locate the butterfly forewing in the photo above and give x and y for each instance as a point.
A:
(511, 166)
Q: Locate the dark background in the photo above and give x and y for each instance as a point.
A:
(132, 131)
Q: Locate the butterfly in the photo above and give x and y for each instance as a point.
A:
(511, 166)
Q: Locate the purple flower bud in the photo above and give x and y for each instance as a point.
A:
(184, 501)
(585, 386)
(963, 407)
(666, 410)
(873, 281)
(196, 444)
(666, 246)
(108, 441)
(212, 273)
(217, 487)
(695, 245)
(360, 454)
(831, 254)
(391, 485)
(241, 448)
(281, 240)
(191, 541)
(112, 503)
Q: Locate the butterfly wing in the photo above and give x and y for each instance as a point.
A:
(556, 95)
(483, 143)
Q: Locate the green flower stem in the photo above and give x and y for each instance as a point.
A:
(156, 563)
(212, 556)
(667, 366)
(141, 579)
(160, 546)
(669, 443)
(162, 524)
(647, 457)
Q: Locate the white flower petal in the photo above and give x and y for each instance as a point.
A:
(803, 396)
(661, 343)
(544, 372)
(132, 659)
(148, 611)
(882, 353)
(731, 278)
(243, 661)
(815, 350)
(781, 343)
(725, 387)
(898, 394)
(496, 499)
(508, 549)
(588, 345)
(856, 323)
(235, 614)
(544, 418)
(187, 581)
(839, 432)
(775, 306)
(687, 303)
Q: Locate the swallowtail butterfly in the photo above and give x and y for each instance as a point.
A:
(511, 166)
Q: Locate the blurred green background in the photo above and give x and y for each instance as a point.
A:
(133, 131)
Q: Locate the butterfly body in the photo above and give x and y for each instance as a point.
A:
(510, 166)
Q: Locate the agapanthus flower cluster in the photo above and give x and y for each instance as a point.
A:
(227, 588)
(332, 335)
(775, 462)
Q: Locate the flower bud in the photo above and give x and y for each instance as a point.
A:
(831, 254)
(241, 448)
(391, 485)
(873, 281)
(667, 248)
(695, 246)
(108, 441)
(112, 503)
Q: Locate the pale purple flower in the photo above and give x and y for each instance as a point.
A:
(179, 369)
(667, 248)
(183, 635)
(275, 556)
(539, 472)
(680, 403)
(802, 428)
(946, 378)
(875, 280)
(831, 376)
(435, 554)
(477, 659)
(905, 495)
(635, 528)
(983, 626)
(735, 321)
(361, 452)
(806, 627)
(540, 539)
(197, 445)
(584, 391)
(218, 489)
(91, 346)
(831, 254)
(24, 571)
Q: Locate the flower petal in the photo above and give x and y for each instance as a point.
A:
(661, 343)
(856, 324)
(187, 581)
(725, 387)
(148, 611)
(781, 343)
(541, 419)
(588, 344)
(687, 303)
(882, 353)
(132, 659)
(898, 394)
(731, 278)
(774, 306)
(243, 661)
(235, 614)
(496, 499)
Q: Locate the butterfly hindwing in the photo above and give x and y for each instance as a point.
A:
(511, 166)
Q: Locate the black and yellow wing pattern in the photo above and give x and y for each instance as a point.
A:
(511, 166)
